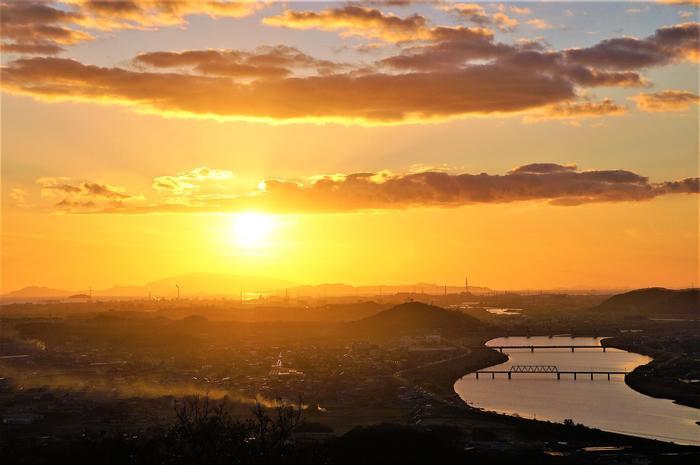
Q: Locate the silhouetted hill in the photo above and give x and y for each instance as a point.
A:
(35, 292)
(654, 301)
(416, 317)
(192, 284)
(197, 284)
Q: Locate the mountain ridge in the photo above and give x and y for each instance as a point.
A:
(654, 301)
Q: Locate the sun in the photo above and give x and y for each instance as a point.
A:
(253, 230)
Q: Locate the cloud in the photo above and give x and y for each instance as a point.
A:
(487, 89)
(459, 72)
(138, 14)
(476, 14)
(44, 27)
(544, 168)
(666, 101)
(36, 27)
(666, 45)
(539, 23)
(353, 20)
(578, 110)
(679, 2)
(520, 10)
(461, 45)
(556, 184)
(504, 22)
(468, 11)
(264, 62)
(189, 181)
(83, 195)
(452, 48)
(31, 48)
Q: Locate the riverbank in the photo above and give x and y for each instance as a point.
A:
(662, 378)
(437, 381)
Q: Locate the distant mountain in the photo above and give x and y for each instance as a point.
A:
(416, 317)
(200, 284)
(654, 301)
(326, 289)
(37, 292)
(193, 284)
(218, 284)
(342, 290)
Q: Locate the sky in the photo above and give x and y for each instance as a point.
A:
(526, 145)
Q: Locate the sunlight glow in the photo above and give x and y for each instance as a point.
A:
(253, 230)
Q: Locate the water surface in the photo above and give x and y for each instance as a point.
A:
(608, 405)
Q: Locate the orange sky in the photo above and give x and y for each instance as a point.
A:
(530, 145)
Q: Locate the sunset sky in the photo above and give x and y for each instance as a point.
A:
(528, 145)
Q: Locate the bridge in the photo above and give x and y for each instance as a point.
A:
(533, 347)
(546, 369)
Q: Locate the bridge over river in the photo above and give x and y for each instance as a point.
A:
(551, 369)
(533, 347)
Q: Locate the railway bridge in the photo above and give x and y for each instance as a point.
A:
(551, 369)
(533, 347)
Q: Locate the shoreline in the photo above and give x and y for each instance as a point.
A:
(636, 378)
(441, 388)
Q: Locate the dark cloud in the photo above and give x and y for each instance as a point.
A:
(355, 20)
(45, 27)
(76, 193)
(450, 72)
(264, 62)
(374, 97)
(543, 168)
(31, 48)
(456, 47)
(452, 48)
(556, 184)
(666, 45)
(36, 27)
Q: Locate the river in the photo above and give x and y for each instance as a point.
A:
(607, 405)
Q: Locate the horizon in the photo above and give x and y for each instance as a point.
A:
(369, 289)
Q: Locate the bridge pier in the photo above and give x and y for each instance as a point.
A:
(493, 375)
(558, 376)
(608, 376)
(604, 348)
(591, 376)
(477, 375)
(574, 375)
(509, 374)
(572, 349)
(532, 349)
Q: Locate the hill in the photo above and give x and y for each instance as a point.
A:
(198, 284)
(416, 318)
(654, 301)
(192, 284)
(37, 292)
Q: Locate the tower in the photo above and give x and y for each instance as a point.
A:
(466, 284)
